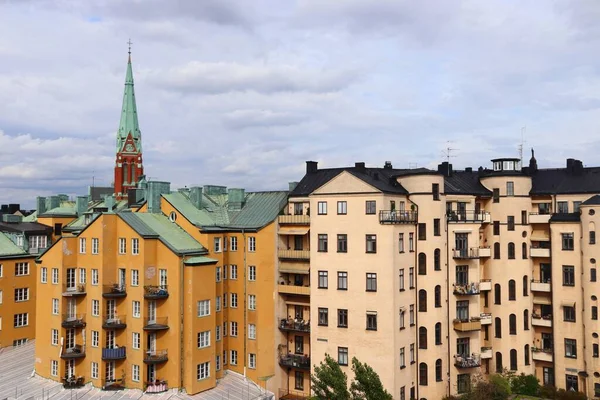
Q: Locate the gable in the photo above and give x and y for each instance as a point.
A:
(346, 183)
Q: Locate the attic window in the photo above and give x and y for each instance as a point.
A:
(591, 212)
(173, 216)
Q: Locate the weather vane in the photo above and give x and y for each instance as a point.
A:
(129, 42)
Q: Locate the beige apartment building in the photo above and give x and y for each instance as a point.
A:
(433, 277)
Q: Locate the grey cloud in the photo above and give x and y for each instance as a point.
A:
(241, 119)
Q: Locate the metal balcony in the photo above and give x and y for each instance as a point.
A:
(113, 291)
(398, 217)
(292, 326)
(77, 351)
(74, 290)
(470, 253)
(467, 361)
(295, 361)
(156, 324)
(118, 353)
(293, 254)
(468, 289)
(114, 321)
(468, 217)
(158, 386)
(293, 289)
(73, 321)
(294, 220)
(152, 292)
(156, 356)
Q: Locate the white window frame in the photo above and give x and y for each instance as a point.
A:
(95, 277)
(53, 367)
(218, 362)
(21, 320)
(203, 339)
(55, 277)
(135, 277)
(95, 308)
(55, 306)
(54, 337)
(122, 246)
(252, 273)
(233, 326)
(135, 246)
(252, 302)
(82, 245)
(203, 308)
(203, 371)
(251, 360)
(218, 274)
(135, 373)
(224, 272)
(21, 294)
(252, 331)
(94, 368)
(44, 275)
(95, 338)
(217, 245)
(137, 308)
(22, 269)
(233, 357)
(95, 245)
(218, 303)
(234, 300)
(233, 273)
(82, 276)
(136, 339)
(217, 333)
(233, 243)
(251, 244)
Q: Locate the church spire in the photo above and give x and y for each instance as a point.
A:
(129, 119)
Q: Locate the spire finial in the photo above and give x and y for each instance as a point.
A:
(129, 43)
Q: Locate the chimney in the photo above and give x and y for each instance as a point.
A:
(40, 204)
(311, 167)
(480, 171)
(387, 165)
(81, 204)
(292, 186)
(196, 196)
(360, 167)
(445, 168)
(109, 202)
(235, 199)
(533, 167)
(12, 219)
(155, 190)
(570, 163)
(469, 169)
(54, 202)
(13, 208)
(578, 168)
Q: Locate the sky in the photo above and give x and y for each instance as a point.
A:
(242, 93)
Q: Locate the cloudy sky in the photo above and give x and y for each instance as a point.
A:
(241, 93)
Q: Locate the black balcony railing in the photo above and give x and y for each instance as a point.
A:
(113, 291)
(397, 217)
(76, 351)
(287, 394)
(74, 290)
(152, 292)
(156, 356)
(294, 325)
(72, 382)
(467, 361)
(158, 386)
(118, 353)
(73, 321)
(295, 361)
(114, 321)
(467, 216)
(466, 289)
(156, 324)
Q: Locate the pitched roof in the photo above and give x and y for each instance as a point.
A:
(129, 118)
(465, 182)
(565, 217)
(28, 228)
(8, 248)
(561, 181)
(592, 201)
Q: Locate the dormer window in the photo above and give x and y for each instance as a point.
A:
(507, 164)
(497, 165)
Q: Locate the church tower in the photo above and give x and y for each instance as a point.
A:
(128, 165)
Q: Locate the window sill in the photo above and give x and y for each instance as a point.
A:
(344, 289)
(403, 290)
(402, 328)
(401, 251)
(343, 326)
(412, 362)
(371, 290)
(371, 329)
(402, 366)
(412, 324)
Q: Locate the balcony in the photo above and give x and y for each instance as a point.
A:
(73, 382)
(485, 285)
(485, 252)
(486, 353)
(114, 322)
(539, 252)
(152, 292)
(467, 361)
(397, 217)
(117, 353)
(538, 320)
(292, 326)
(537, 218)
(37, 250)
(114, 291)
(156, 356)
(468, 217)
(541, 286)
(74, 290)
(466, 289)
(486, 318)
(77, 351)
(470, 253)
(295, 361)
(293, 289)
(287, 394)
(156, 324)
(293, 254)
(541, 354)
(73, 321)
(294, 220)
(158, 386)
(474, 324)
(112, 384)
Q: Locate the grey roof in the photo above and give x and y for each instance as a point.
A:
(29, 228)
(562, 181)
(97, 193)
(592, 201)
(465, 182)
(9, 249)
(565, 217)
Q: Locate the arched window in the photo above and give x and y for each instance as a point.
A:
(422, 264)
(592, 233)
(498, 327)
(513, 360)
(525, 284)
(526, 320)
(498, 362)
(438, 333)
(497, 294)
(125, 172)
(437, 264)
(422, 300)
(511, 251)
(512, 290)
(132, 180)
(524, 250)
(422, 337)
(438, 296)
(512, 324)
(438, 370)
(423, 374)
(526, 351)
(497, 251)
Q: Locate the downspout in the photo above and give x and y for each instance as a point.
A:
(181, 324)
(245, 304)
(415, 275)
(448, 377)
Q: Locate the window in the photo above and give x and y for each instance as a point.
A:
(498, 327)
(569, 313)
(371, 243)
(422, 337)
(571, 348)
(343, 355)
(342, 318)
(463, 383)
(95, 308)
(462, 310)
(233, 357)
(496, 228)
(252, 361)
(217, 244)
(462, 274)
(218, 274)
(234, 272)
(371, 207)
(499, 366)
(323, 280)
(496, 251)
(512, 324)
(54, 368)
(423, 374)
(497, 294)
(203, 370)
(322, 207)
(95, 245)
(82, 245)
(54, 334)
(44, 275)
(203, 308)
(402, 358)
(401, 319)
(342, 208)
(422, 264)
(411, 351)
(411, 241)
(251, 244)
(251, 331)
(122, 246)
(251, 302)
(437, 260)
(21, 320)
(422, 300)
(401, 242)
(435, 190)
(135, 373)
(594, 312)
(136, 308)
(55, 305)
(94, 277)
(323, 316)
(94, 370)
(592, 237)
(438, 333)
(568, 275)
(342, 283)
(299, 380)
(218, 363)
(95, 338)
(371, 321)
(526, 320)
(572, 383)
(563, 207)
(135, 277)
(401, 277)
(234, 300)
(595, 350)
(403, 393)
(233, 328)
(82, 275)
(21, 269)
(510, 188)
(567, 241)
(422, 231)
(55, 276)
(371, 282)
(136, 340)
(511, 251)
(217, 333)
(21, 294)
(576, 206)
(510, 221)
(342, 243)
(411, 277)
(233, 243)
(513, 360)
(496, 195)
(512, 290)
(437, 296)
(135, 246)
(411, 314)
(322, 243)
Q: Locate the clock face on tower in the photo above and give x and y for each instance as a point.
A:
(129, 147)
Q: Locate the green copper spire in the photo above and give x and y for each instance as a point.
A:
(129, 119)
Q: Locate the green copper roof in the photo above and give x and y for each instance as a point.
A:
(8, 248)
(200, 260)
(129, 119)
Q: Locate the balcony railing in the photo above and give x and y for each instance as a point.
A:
(485, 285)
(539, 218)
(114, 321)
(156, 356)
(468, 216)
(466, 254)
(541, 320)
(113, 291)
(486, 318)
(466, 289)
(293, 326)
(539, 252)
(112, 384)
(74, 290)
(293, 254)
(398, 217)
(156, 324)
(287, 394)
(294, 220)
(76, 351)
(73, 321)
(72, 382)
(295, 361)
(118, 353)
(467, 361)
(486, 353)
(153, 292)
(293, 289)
(541, 286)
(158, 386)
(473, 324)
(539, 354)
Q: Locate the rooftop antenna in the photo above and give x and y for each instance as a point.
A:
(448, 151)
(521, 145)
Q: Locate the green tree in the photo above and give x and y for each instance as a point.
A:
(525, 384)
(329, 382)
(366, 384)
